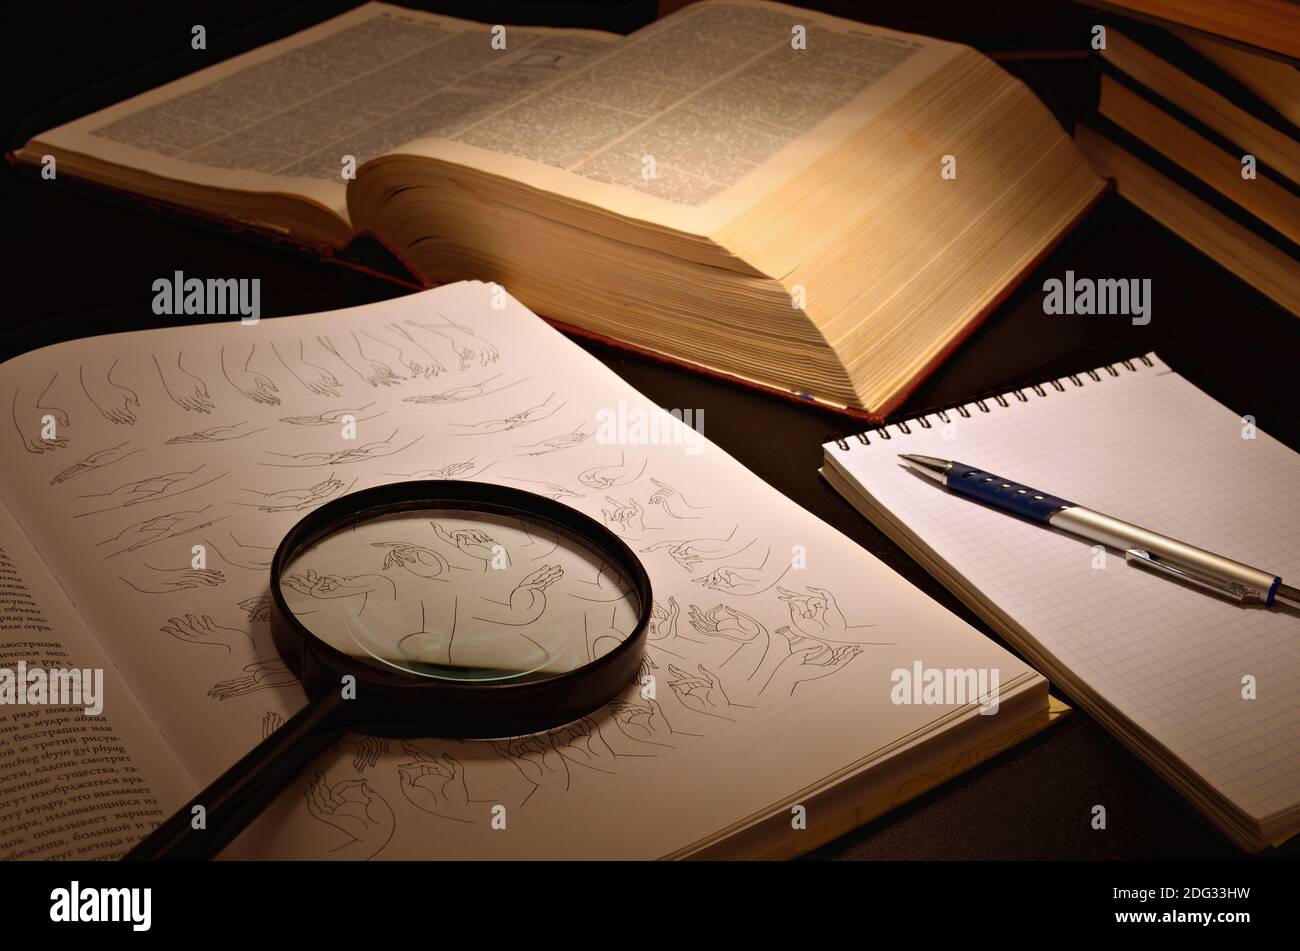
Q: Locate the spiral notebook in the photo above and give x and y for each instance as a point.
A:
(1204, 690)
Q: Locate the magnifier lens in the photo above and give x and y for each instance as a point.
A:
(461, 595)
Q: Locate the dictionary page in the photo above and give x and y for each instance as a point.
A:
(193, 450)
(81, 780)
(283, 117)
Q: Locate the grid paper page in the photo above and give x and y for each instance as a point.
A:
(1148, 447)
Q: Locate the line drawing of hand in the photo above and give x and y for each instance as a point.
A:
(524, 417)
(475, 544)
(435, 783)
(95, 460)
(114, 402)
(368, 750)
(673, 502)
(150, 489)
(643, 721)
(314, 378)
(556, 443)
(375, 449)
(418, 560)
(259, 675)
(150, 580)
(202, 630)
(331, 417)
(551, 490)
(214, 434)
(538, 762)
(335, 587)
(459, 394)
(257, 608)
(701, 692)
(295, 500)
(271, 721)
(467, 345)
(366, 370)
(663, 632)
(452, 470)
(411, 354)
(36, 410)
(606, 477)
(527, 600)
(724, 621)
(374, 371)
(253, 384)
(740, 580)
(815, 613)
(688, 553)
(804, 663)
(159, 528)
(184, 388)
(626, 518)
(581, 744)
(356, 810)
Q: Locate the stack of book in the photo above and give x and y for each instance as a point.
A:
(1200, 132)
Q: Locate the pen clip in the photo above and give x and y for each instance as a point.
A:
(1229, 589)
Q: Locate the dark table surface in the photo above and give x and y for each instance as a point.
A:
(76, 266)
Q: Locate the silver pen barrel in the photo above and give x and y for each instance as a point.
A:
(1197, 565)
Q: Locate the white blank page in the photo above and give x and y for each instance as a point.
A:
(1148, 447)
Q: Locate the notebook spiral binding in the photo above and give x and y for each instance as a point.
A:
(923, 419)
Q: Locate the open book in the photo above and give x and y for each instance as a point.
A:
(1206, 691)
(803, 203)
(150, 475)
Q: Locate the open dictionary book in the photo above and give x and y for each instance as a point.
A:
(814, 206)
(151, 475)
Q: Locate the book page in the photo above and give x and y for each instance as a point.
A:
(282, 117)
(684, 123)
(78, 780)
(690, 120)
(193, 450)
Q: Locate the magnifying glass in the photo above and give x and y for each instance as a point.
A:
(436, 608)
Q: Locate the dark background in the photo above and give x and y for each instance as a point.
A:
(77, 265)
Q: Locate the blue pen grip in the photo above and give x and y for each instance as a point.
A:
(1003, 493)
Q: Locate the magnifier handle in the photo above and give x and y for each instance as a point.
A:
(240, 794)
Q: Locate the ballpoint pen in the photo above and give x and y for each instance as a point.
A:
(1147, 549)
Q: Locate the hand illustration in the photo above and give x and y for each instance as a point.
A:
(333, 587)
(185, 389)
(700, 692)
(256, 386)
(815, 614)
(723, 621)
(369, 749)
(416, 559)
(258, 609)
(556, 443)
(95, 460)
(435, 784)
(672, 502)
(150, 580)
(476, 544)
(737, 580)
(213, 434)
(527, 600)
(537, 761)
(690, 552)
(810, 662)
(144, 490)
(663, 628)
(295, 500)
(581, 744)
(316, 379)
(115, 403)
(626, 518)
(467, 345)
(204, 631)
(643, 721)
(28, 411)
(257, 676)
(418, 361)
(605, 477)
(356, 810)
(271, 721)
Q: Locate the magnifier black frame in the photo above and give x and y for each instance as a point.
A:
(466, 710)
(390, 703)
